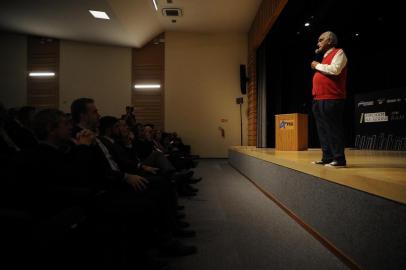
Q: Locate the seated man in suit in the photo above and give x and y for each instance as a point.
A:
(8, 151)
(54, 168)
(7, 144)
(141, 148)
(85, 116)
(63, 184)
(145, 151)
(20, 128)
(109, 133)
(48, 189)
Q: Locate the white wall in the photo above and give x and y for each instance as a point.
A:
(201, 85)
(99, 72)
(13, 66)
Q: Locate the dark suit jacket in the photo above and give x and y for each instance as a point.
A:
(102, 174)
(123, 157)
(50, 180)
(143, 148)
(21, 136)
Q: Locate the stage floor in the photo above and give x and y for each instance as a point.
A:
(382, 173)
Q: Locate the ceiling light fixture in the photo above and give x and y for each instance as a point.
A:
(42, 74)
(99, 14)
(307, 24)
(155, 4)
(147, 86)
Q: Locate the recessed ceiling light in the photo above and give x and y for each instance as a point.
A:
(155, 4)
(42, 74)
(307, 24)
(99, 14)
(147, 86)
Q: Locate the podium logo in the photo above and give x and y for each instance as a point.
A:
(373, 117)
(286, 124)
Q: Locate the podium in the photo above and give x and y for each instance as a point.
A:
(291, 132)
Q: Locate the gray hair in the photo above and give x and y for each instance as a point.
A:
(46, 121)
(333, 38)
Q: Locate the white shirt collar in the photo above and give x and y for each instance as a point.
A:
(328, 51)
(109, 139)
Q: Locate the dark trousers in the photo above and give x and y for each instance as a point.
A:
(159, 160)
(329, 121)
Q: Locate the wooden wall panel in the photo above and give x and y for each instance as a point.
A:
(267, 14)
(43, 55)
(148, 67)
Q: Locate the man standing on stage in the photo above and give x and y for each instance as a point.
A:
(329, 93)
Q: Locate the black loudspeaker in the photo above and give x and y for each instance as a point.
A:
(243, 79)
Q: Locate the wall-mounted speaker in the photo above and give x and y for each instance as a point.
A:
(243, 79)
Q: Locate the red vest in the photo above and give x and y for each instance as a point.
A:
(330, 86)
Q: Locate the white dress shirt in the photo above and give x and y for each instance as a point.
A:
(337, 64)
(112, 163)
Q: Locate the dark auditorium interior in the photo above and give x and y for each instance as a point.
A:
(204, 135)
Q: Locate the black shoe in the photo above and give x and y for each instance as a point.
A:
(180, 215)
(184, 193)
(182, 224)
(182, 177)
(154, 264)
(192, 189)
(194, 180)
(188, 174)
(184, 233)
(176, 248)
(321, 162)
(336, 164)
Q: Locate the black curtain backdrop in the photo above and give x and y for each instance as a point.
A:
(263, 121)
(370, 34)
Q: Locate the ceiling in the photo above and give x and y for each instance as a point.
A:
(132, 22)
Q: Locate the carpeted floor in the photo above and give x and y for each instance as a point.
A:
(239, 228)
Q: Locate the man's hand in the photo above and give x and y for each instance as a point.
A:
(314, 64)
(137, 182)
(150, 169)
(84, 137)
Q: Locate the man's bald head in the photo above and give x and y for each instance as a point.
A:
(326, 41)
